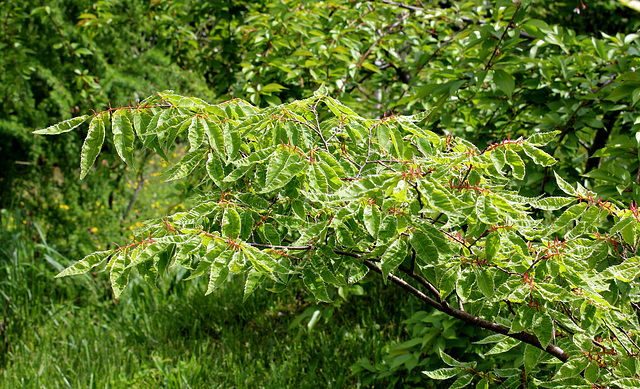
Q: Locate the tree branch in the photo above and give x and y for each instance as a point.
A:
(472, 319)
(496, 49)
(139, 186)
(568, 125)
(432, 289)
(366, 54)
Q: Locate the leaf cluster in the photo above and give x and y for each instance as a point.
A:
(311, 190)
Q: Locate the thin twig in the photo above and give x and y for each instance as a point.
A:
(619, 340)
(496, 49)
(368, 151)
(567, 127)
(134, 197)
(366, 54)
(319, 130)
(628, 337)
(432, 289)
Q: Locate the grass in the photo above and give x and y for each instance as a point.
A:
(69, 333)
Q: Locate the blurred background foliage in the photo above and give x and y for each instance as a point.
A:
(489, 70)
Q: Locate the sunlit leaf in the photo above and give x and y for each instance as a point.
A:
(62, 127)
(92, 145)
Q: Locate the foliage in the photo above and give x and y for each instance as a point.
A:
(510, 68)
(310, 190)
(71, 332)
(427, 333)
(493, 70)
(53, 69)
(631, 4)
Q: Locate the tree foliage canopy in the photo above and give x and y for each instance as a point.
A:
(312, 190)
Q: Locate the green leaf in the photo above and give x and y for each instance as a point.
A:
(549, 292)
(628, 383)
(437, 237)
(219, 270)
(282, 168)
(92, 145)
(492, 245)
(538, 156)
(231, 223)
(187, 165)
(447, 359)
(195, 215)
(503, 346)
(485, 282)
(62, 127)
(147, 253)
(571, 368)
(495, 338)
(426, 250)
(166, 125)
(312, 234)
(629, 234)
(393, 257)
(264, 262)
(438, 198)
(516, 163)
(87, 263)
(542, 138)
(627, 271)
(232, 144)
(498, 158)
(522, 321)
(273, 87)
(155, 122)
(464, 283)
(483, 384)
(204, 266)
(357, 272)
(119, 274)
(216, 137)
(321, 91)
(551, 203)
(486, 211)
(372, 219)
(443, 373)
(215, 170)
(182, 101)
(123, 137)
(317, 179)
(462, 382)
(592, 373)
(448, 280)
(314, 282)
(564, 185)
(543, 329)
(254, 279)
(570, 214)
(196, 133)
(332, 177)
(504, 81)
